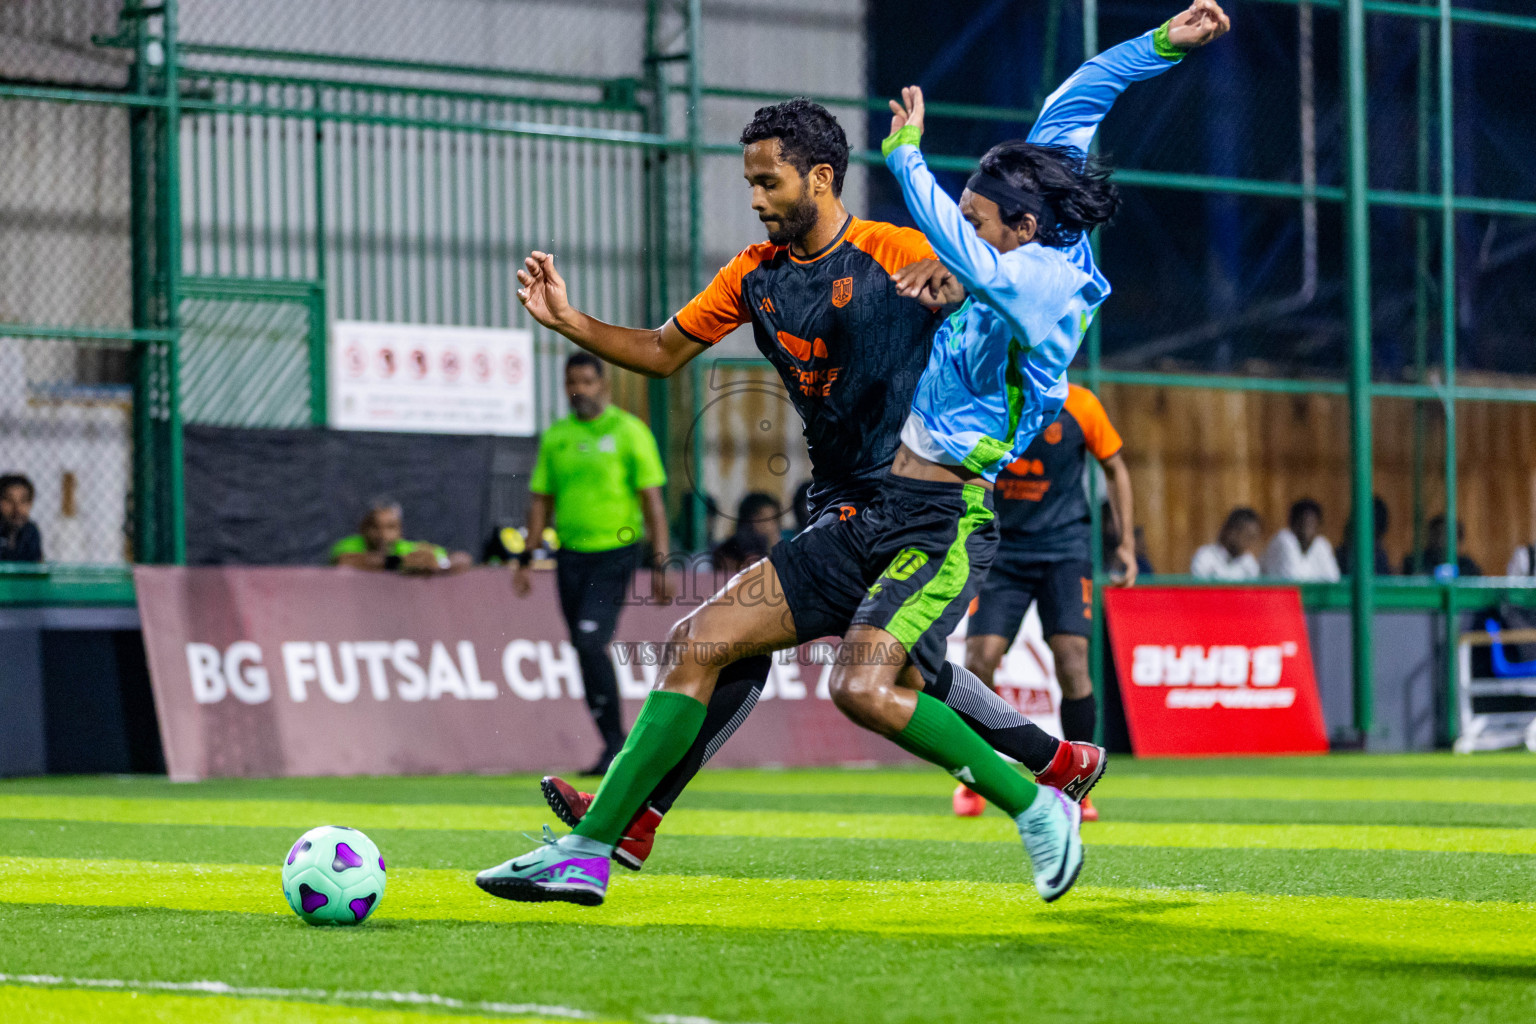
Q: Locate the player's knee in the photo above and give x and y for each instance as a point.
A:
(853, 692)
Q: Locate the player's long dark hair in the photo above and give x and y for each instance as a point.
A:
(1076, 189)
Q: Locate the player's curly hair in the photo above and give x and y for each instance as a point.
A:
(1076, 189)
(808, 135)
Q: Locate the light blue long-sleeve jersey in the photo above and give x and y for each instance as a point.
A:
(997, 372)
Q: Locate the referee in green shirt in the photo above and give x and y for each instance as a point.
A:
(599, 477)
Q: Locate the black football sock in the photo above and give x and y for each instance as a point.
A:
(992, 718)
(736, 693)
(1078, 718)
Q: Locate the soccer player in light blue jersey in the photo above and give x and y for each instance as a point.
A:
(919, 549)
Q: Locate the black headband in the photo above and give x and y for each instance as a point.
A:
(1011, 202)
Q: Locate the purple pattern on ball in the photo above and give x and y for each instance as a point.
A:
(298, 848)
(310, 900)
(381, 863)
(362, 905)
(345, 858)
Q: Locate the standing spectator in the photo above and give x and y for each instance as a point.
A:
(1430, 561)
(1382, 562)
(20, 539)
(379, 545)
(1231, 556)
(757, 531)
(1300, 551)
(598, 476)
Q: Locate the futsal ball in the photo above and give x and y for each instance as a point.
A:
(334, 875)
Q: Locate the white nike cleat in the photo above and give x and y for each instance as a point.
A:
(1049, 828)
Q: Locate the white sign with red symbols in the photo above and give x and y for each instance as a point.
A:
(431, 380)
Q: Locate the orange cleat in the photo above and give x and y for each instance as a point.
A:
(570, 806)
(968, 804)
(1090, 812)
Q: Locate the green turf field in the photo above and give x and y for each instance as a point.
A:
(1349, 888)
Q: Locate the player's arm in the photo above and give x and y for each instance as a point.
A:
(654, 509)
(1072, 113)
(1122, 504)
(657, 352)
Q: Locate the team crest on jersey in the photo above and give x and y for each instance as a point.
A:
(1053, 433)
(842, 291)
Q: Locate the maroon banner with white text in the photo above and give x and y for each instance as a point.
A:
(1213, 671)
(299, 671)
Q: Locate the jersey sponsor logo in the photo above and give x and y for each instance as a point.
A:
(842, 291)
(1027, 467)
(1052, 433)
(801, 349)
(814, 382)
(1087, 597)
(1023, 490)
(1223, 675)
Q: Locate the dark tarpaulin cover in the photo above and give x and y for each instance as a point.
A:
(283, 497)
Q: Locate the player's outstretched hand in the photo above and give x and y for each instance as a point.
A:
(541, 290)
(929, 282)
(909, 111)
(1204, 22)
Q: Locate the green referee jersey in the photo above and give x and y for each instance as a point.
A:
(594, 470)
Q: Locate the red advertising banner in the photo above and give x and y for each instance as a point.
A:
(1215, 671)
(298, 671)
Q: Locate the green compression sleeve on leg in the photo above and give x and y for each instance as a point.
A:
(937, 734)
(667, 726)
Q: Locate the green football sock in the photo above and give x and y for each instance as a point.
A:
(937, 734)
(667, 726)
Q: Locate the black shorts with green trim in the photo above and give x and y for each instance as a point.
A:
(932, 546)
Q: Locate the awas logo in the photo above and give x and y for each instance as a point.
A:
(1226, 675)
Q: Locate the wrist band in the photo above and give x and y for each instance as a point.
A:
(906, 135)
(1164, 45)
(392, 562)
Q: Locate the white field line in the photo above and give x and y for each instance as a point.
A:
(220, 988)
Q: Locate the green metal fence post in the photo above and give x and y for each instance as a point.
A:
(657, 297)
(1358, 234)
(170, 206)
(318, 412)
(1448, 357)
(697, 535)
(1096, 637)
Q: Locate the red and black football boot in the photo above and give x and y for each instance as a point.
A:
(570, 806)
(1074, 769)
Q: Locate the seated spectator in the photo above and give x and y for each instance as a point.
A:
(1346, 552)
(1300, 552)
(1231, 556)
(1430, 561)
(757, 530)
(379, 545)
(1522, 562)
(20, 539)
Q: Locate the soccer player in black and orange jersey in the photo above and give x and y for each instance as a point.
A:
(824, 309)
(1043, 557)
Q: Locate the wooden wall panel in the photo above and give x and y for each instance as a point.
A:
(1196, 454)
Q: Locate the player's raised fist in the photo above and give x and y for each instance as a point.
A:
(1202, 23)
(909, 111)
(541, 290)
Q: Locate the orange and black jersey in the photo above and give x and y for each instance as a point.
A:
(849, 349)
(1042, 507)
